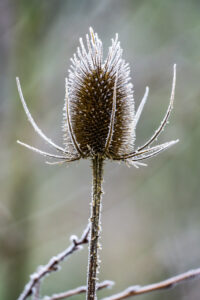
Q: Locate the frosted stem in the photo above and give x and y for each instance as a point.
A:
(93, 261)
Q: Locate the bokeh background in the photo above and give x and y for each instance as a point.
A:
(151, 216)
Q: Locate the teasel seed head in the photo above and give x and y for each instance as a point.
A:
(100, 101)
(99, 115)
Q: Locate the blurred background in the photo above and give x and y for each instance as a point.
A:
(151, 216)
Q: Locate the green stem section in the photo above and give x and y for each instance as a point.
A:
(93, 262)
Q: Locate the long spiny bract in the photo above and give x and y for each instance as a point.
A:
(150, 152)
(33, 123)
(141, 106)
(166, 117)
(50, 155)
(72, 137)
(112, 118)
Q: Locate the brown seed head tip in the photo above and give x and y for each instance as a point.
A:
(99, 109)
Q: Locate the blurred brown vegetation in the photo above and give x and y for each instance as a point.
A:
(151, 216)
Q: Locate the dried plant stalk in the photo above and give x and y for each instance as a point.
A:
(95, 223)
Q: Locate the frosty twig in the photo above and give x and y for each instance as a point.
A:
(79, 290)
(53, 264)
(165, 284)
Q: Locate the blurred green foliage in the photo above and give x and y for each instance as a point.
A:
(151, 216)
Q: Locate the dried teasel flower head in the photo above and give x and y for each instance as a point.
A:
(101, 105)
(99, 114)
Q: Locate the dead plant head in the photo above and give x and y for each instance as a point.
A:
(99, 111)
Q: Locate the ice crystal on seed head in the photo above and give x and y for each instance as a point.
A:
(93, 84)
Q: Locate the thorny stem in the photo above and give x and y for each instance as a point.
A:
(93, 263)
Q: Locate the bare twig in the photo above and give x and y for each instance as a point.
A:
(53, 264)
(79, 290)
(168, 283)
(36, 291)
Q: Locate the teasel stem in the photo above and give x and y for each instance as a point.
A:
(95, 222)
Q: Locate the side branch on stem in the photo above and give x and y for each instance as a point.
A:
(79, 290)
(165, 284)
(53, 264)
(97, 165)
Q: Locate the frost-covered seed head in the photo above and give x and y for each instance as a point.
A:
(92, 85)
(99, 117)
